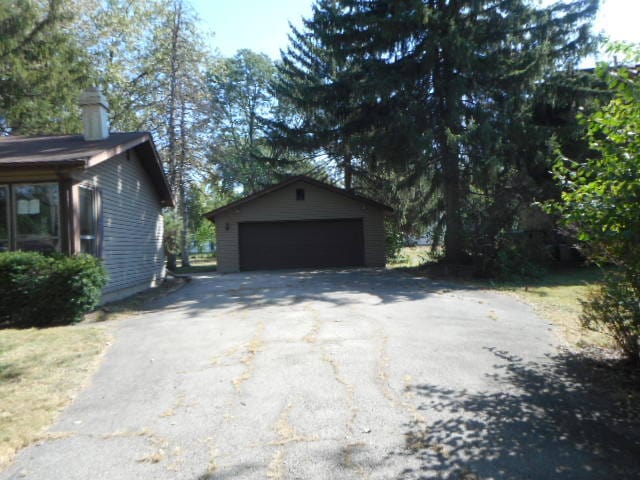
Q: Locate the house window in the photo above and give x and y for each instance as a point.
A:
(4, 218)
(88, 220)
(299, 193)
(36, 211)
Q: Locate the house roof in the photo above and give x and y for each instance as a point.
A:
(73, 151)
(291, 180)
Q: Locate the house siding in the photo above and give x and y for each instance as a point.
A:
(281, 205)
(132, 225)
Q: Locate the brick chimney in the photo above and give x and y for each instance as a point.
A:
(95, 114)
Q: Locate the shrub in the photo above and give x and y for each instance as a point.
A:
(522, 256)
(40, 290)
(600, 203)
(614, 307)
(511, 256)
(394, 239)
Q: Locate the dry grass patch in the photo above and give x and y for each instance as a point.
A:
(248, 359)
(557, 297)
(41, 370)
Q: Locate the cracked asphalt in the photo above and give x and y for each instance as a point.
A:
(361, 374)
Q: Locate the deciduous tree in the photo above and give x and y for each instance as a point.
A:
(601, 203)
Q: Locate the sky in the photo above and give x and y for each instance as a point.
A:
(259, 25)
(263, 25)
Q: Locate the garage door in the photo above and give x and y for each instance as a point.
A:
(304, 244)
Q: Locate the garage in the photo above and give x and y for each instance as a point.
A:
(301, 244)
(300, 223)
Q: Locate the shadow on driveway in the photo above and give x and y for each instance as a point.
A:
(255, 290)
(571, 418)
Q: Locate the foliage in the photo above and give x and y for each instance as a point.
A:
(314, 78)
(172, 224)
(601, 198)
(116, 35)
(39, 290)
(394, 239)
(43, 69)
(203, 231)
(614, 307)
(148, 56)
(521, 256)
(433, 92)
(240, 97)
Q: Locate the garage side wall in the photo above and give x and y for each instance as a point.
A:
(131, 224)
(281, 205)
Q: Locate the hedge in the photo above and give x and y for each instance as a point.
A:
(42, 290)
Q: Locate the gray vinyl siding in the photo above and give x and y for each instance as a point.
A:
(281, 205)
(132, 225)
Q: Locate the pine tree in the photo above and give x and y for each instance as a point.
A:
(433, 89)
(43, 69)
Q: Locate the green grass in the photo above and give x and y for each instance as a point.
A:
(410, 257)
(41, 370)
(199, 265)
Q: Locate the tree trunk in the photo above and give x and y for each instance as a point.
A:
(171, 262)
(184, 231)
(449, 110)
(348, 172)
(454, 234)
(173, 80)
(184, 208)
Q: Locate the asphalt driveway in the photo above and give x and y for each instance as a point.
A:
(336, 375)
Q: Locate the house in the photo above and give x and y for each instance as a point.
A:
(300, 223)
(98, 193)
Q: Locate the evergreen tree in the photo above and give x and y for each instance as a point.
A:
(433, 89)
(43, 70)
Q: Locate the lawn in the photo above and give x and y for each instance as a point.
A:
(555, 297)
(41, 370)
(199, 265)
(410, 257)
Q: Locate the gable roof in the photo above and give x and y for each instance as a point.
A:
(298, 178)
(73, 151)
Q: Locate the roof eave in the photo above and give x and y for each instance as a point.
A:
(155, 169)
(70, 163)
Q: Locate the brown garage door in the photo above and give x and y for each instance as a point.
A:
(303, 244)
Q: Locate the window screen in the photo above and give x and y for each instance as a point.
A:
(37, 213)
(4, 218)
(88, 220)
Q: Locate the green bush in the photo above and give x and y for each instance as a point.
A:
(614, 307)
(394, 240)
(41, 290)
(521, 256)
(600, 203)
(510, 256)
